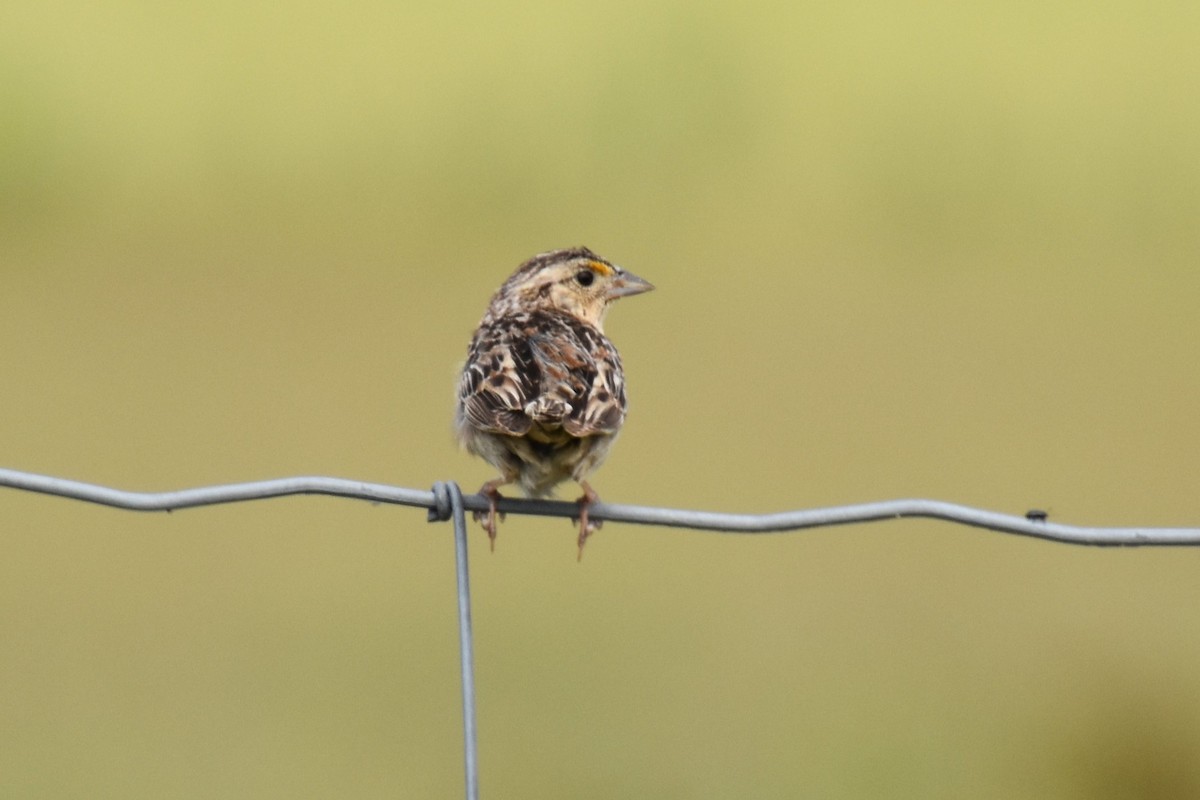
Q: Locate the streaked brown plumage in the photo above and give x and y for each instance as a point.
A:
(542, 394)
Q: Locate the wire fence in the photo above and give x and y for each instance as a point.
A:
(445, 501)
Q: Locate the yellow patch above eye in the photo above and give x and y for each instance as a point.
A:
(602, 269)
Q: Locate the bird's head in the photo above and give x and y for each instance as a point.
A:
(575, 281)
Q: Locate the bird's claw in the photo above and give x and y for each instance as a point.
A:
(488, 519)
(587, 526)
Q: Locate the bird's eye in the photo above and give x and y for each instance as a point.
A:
(585, 277)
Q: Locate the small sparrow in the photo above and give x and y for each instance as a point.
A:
(542, 395)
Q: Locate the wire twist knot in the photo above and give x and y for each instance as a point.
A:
(441, 509)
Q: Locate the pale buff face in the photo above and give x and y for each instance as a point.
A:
(583, 287)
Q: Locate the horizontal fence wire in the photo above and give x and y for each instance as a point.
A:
(446, 502)
(437, 502)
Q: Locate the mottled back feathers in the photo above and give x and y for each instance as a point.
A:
(542, 367)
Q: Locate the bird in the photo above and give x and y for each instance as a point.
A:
(541, 396)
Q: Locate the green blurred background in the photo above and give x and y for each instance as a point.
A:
(939, 250)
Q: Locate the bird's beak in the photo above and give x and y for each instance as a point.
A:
(627, 284)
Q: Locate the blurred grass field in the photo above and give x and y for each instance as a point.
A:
(940, 251)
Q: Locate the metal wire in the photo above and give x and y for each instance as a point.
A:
(466, 648)
(446, 502)
(1034, 525)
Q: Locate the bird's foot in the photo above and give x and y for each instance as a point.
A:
(489, 520)
(587, 526)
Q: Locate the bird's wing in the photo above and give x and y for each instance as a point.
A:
(498, 382)
(600, 409)
(581, 377)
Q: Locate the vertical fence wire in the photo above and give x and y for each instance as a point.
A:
(466, 648)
